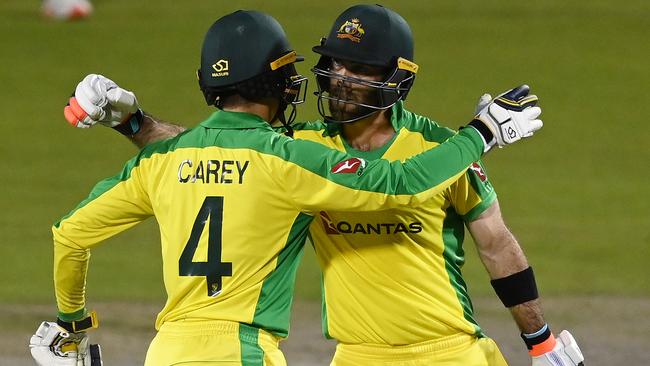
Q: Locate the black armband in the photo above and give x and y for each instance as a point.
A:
(76, 326)
(517, 288)
(132, 125)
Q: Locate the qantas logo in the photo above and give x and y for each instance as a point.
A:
(345, 227)
(353, 165)
(328, 224)
(479, 171)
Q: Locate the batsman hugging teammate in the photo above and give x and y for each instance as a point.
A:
(393, 289)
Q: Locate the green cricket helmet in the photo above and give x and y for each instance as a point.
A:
(248, 53)
(370, 35)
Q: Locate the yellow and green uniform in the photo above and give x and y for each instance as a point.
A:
(234, 200)
(393, 277)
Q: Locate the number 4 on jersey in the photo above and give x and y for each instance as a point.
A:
(214, 269)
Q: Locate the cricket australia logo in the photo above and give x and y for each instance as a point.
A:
(221, 68)
(352, 165)
(351, 30)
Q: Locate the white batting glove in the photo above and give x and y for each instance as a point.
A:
(509, 117)
(565, 353)
(54, 346)
(483, 102)
(98, 99)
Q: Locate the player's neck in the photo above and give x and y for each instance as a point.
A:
(369, 133)
(265, 109)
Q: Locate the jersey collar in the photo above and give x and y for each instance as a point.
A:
(235, 121)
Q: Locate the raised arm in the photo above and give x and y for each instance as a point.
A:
(153, 129)
(98, 99)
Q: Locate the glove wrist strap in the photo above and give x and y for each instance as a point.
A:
(131, 126)
(77, 326)
(540, 342)
(486, 134)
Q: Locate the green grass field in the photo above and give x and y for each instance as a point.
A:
(575, 195)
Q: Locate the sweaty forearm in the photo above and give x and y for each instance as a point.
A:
(528, 316)
(504, 260)
(152, 130)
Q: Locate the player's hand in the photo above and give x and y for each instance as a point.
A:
(565, 353)
(98, 99)
(52, 345)
(509, 117)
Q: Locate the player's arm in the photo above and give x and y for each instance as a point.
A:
(114, 205)
(97, 99)
(153, 129)
(317, 178)
(344, 183)
(514, 283)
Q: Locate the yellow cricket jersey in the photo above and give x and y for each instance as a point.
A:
(234, 200)
(394, 276)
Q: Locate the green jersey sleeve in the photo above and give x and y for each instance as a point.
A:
(324, 179)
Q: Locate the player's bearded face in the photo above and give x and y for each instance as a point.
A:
(344, 93)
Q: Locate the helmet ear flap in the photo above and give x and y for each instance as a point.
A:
(208, 94)
(324, 63)
(399, 84)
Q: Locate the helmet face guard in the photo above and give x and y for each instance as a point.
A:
(393, 88)
(294, 93)
(368, 35)
(291, 90)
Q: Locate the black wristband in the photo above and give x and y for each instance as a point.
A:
(482, 129)
(517, 288)
(132, 125)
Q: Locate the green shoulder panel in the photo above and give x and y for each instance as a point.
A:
(430, 130)
(314, 157)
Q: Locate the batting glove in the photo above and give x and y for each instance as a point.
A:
(483, 102)
(98, 99)
(560, 351)
(507, 118)
(52, 345)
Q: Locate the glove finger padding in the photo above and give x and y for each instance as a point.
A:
(565, 353)
(91, 95)
(483, 102)
(75, 115)
(570, 347)
(98, 99)
(511, 116)
(535, 124)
